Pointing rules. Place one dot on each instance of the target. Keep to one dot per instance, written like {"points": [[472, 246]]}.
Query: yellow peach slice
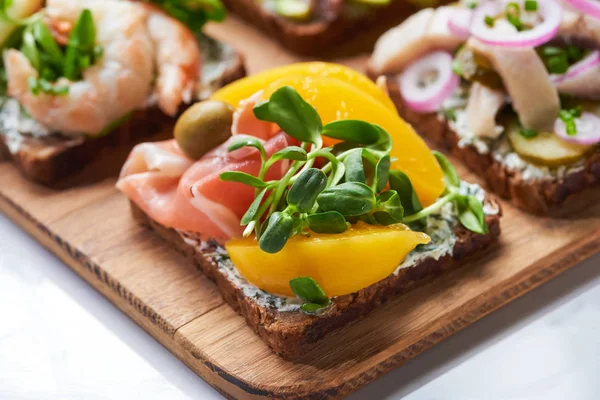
{"points": [[244, 88], [340, 263]]}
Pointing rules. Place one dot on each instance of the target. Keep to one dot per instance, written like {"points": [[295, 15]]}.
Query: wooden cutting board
{"points": [[89, 227]]}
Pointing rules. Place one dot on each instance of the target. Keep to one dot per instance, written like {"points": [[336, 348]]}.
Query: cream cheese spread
{"points": [[15, 124], [500, 149]]}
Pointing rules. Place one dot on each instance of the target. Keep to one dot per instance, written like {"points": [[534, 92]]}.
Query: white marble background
{"points": [[60, 339]]}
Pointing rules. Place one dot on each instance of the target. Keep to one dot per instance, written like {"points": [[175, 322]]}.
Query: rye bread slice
{"points": [[322, 34], [292, 334], [551, 196], [49, 159]]}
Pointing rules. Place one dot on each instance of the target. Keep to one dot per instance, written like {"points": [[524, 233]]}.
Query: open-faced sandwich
{"points": [[511, 87], [309, 203], [313, 26], [78, 75]]}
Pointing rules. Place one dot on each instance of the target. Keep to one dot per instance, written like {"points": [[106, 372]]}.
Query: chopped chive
{"points": [[457, 67], [568, 117], [513, 15], [33, 85], [489, 21], [571, 127], [531, 5], [449, 114], [528, 133], [60, 90], [574, 53], [557, 64], [45, 86], [552, 51]]}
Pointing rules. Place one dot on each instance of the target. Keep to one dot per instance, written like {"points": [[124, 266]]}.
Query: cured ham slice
{"points": [[179, 193], [244, 121]]}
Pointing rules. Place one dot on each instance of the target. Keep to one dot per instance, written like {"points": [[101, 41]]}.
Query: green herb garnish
{"points": [[558, 59], [193, 13], [513, 15], [354, 184], [528, 133], [470, 209], [489, 21], [80, 52], [309, 291], [568, 117], [531, 5], [449, 114], [49, 59]]}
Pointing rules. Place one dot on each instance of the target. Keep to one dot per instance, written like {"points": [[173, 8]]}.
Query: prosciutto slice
{"points": [[179, 193]]}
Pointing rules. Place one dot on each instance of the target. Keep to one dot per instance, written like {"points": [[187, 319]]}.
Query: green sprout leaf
{"points": [[355, 170], [383, 146], [408, 196], [289, 153], [382, 173], [471, 215], [356, 131], [450, 176], [309, 291], [275, 235], [304, 191], [242, 177], [294, 116], [349, 199], [251, 212], [248, 142], [389, 202], [327, 222]]}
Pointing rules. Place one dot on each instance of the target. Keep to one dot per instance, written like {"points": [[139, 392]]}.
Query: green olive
{"points": [[203, 126]]}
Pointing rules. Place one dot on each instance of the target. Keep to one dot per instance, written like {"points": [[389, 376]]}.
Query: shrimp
{"points": [[178, 58], [140, 44], [117, 84]]}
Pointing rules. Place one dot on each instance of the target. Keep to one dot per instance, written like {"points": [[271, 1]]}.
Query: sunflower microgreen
{"points": [[354, 180]]}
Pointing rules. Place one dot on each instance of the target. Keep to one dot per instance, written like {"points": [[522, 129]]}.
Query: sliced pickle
{"points": [[474, 67], [294, 9], [546, 148]]}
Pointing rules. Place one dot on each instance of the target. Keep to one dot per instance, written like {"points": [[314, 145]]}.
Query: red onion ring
{"points": [[430, 97], [588, 129], [550, 10], [590, 61], [459, 22], [588, 7]]}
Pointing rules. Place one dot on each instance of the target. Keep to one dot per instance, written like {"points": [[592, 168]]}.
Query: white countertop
{"points": [[60, 339]]}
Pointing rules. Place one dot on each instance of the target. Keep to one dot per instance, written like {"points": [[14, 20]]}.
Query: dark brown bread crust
{"points": [[292, 334], [541, 197], [48, 160], [319, 36]]}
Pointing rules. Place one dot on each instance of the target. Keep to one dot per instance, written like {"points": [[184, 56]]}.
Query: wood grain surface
{"points": [[88, 225]]}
